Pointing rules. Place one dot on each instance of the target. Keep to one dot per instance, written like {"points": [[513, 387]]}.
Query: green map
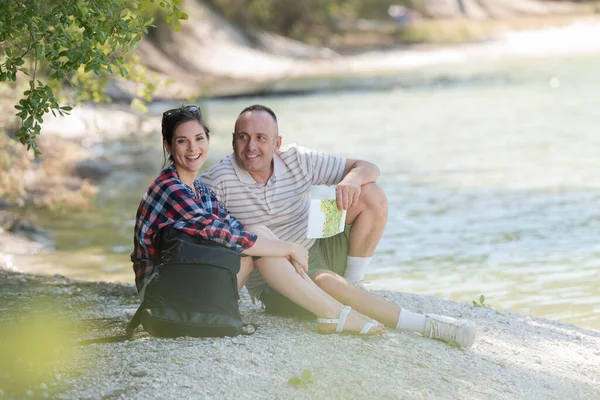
{"points": [[333, 217]]}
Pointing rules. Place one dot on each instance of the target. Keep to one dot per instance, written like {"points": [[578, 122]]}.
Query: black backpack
{"points": [[194, 292]]}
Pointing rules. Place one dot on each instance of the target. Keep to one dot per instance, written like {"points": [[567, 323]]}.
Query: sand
{"points": [[514, 356]]}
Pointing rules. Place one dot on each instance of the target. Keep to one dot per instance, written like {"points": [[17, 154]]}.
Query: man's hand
{"points": [[346, 195]]}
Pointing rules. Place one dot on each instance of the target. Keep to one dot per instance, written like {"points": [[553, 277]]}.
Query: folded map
{"points": [[324, 219]]}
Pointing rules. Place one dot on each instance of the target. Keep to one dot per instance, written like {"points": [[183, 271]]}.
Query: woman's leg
{"points": [[358, 298], [246, 268], [281, 276], [279, 273]]}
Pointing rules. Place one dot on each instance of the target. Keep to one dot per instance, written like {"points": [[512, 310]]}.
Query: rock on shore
{"points": [[514, 356]]}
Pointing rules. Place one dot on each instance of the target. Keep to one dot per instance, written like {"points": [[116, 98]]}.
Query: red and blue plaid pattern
{"points": [[169, 202]]}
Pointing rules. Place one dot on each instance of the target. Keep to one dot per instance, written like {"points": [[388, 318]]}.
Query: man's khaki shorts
{"points": [[330, 253]]}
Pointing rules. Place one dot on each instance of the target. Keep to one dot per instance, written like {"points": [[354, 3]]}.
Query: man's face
{"points": [[255, 142]]}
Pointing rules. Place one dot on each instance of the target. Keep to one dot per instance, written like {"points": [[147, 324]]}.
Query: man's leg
{"points": [[456, 331], [368, 219], [326, 264]]}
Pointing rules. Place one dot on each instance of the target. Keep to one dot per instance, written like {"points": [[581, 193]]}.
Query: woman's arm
{"points": [[268, 247]]}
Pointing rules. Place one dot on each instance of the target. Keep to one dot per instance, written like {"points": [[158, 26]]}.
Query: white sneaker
{"points": [[460, 332]]}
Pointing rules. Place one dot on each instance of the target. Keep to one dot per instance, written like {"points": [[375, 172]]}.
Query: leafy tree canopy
{"points": [[53, 42]]}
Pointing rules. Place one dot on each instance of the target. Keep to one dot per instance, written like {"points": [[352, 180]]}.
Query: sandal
{"points": [[341, 320]]}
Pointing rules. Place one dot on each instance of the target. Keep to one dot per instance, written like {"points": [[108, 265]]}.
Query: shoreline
{"points": [[514, 356], [259, 73]]}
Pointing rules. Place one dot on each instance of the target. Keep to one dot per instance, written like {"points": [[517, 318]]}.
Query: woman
{"points": [[178, 200]]}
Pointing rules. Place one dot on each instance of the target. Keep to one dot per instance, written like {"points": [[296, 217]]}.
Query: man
{"points": [[262, 183]]}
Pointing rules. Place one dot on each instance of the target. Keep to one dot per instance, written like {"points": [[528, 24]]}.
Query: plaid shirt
{"points": [[169, 202]]}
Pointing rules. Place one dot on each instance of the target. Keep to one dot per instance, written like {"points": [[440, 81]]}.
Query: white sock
{"points": [[411, 321], [355, 268]]}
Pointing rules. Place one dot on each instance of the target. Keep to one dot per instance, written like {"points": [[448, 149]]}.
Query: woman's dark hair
{"points": [[173, 118]]}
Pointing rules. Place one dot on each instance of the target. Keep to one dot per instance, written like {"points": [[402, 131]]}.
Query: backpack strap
{"points": [[133, 324]]}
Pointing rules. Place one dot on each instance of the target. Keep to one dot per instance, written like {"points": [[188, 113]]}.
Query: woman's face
{"points": [[189, 147]]}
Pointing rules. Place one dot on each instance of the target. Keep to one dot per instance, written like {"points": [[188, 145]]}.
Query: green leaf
{"points": [[28, 123], [176, 25], [180, 14], [294, 381], [88, 67], [306, 375]]}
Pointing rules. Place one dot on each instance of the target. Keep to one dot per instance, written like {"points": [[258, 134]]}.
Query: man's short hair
{"points": [[260, 107]]}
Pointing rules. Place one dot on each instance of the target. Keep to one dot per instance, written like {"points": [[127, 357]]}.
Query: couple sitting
{"points": [[267, 187]]}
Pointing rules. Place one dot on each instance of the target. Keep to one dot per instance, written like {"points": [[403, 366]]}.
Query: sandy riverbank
{"points": [[514, 356]]}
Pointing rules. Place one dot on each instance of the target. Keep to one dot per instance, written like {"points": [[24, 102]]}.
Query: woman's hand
{"points": [[299, 258]]}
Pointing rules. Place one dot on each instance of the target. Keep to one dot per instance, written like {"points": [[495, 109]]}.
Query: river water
{"points": [[492, 172]]}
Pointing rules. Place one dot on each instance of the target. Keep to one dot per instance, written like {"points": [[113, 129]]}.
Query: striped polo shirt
{"points": [[282, 203]]}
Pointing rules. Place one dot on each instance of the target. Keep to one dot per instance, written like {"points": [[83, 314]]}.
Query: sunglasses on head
{"points": [[191, 108]]}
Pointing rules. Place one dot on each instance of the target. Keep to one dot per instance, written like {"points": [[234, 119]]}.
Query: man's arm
{"points": [[356, 174]]}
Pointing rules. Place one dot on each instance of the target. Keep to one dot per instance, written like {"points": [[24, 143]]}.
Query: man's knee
{"points": [[373, 198], [329, 281]]}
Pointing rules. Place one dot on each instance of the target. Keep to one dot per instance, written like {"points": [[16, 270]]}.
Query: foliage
{"points": [[481, 302], [306, 378], [34, 343], [78, 42]]}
